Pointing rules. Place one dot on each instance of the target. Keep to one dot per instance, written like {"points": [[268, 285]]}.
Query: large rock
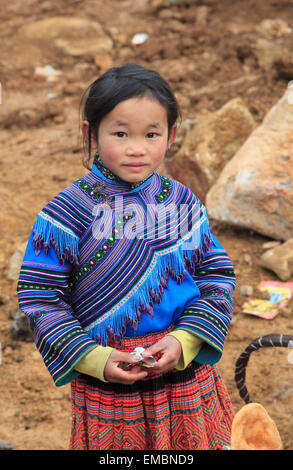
{"points": [[255, 189], [210, 144], [74, 35], [56, 27]]}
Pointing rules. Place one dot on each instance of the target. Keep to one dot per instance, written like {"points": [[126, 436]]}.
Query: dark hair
{"points": [[119, 84]]}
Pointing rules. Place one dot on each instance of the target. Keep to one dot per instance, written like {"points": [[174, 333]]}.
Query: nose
{"points": [[135, 148]]}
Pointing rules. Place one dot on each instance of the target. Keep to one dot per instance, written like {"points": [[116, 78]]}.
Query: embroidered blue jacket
{"points": [[107, 259]]}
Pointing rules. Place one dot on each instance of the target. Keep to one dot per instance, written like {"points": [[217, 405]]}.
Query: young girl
{"points": [[125, 258]]}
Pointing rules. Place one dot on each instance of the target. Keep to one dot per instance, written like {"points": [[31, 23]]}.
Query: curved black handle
{"points": [[271, 340]]}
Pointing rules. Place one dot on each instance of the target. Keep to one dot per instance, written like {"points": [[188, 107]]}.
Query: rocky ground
{"points": [[211, 52]]}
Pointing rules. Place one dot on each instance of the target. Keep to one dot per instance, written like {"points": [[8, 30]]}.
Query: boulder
{"points": [[85, 46], [255, 189], [74, 35], [56, 27], [211, 142], [279, 259]]}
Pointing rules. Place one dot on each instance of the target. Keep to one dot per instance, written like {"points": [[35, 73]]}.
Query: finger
{"points": [[160, 367], [128, 377], [165, 363], [126, 357], [152, 350]]}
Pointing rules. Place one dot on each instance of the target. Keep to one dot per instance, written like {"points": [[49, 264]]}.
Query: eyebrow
{"points": [[120, 123], [155, 125]]}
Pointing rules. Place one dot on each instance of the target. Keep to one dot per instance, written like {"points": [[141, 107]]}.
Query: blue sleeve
{"points": [[209, 316], [44, 297]]}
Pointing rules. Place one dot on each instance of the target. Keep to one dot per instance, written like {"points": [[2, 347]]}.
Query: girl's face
{"points": [[133, 138]]}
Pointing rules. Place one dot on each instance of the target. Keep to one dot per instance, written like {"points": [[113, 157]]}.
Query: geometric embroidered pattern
{"points": [[95, 195], [120, 221], [165, 191], [218, 293], [159, 413], [178, 410], [88, 189], [63, 340]]}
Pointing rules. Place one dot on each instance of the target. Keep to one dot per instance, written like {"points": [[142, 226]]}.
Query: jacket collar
{"points": [[103, 172]]}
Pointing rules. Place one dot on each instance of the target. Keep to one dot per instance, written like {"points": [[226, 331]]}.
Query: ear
{"points": [[85, 133], [85, 130], [172, 136]]}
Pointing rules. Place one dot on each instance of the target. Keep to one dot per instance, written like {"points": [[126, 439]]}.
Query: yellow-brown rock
{"points": [[255, 189], [213, 140]]}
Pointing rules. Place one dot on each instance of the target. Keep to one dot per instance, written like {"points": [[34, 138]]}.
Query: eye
{"points": [[120, 134], [152, 135]]}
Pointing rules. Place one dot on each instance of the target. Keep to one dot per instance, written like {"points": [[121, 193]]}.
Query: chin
{"points": [[136, 178]]}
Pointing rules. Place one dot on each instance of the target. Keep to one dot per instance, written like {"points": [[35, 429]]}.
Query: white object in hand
{"points": [[149, 361]]}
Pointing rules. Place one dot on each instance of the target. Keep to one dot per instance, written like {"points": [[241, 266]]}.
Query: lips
{"points": [[137, 164]]}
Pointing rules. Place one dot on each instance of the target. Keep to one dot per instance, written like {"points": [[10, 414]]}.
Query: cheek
{"points": [[109, 150], [160, 152], [112, 152]]}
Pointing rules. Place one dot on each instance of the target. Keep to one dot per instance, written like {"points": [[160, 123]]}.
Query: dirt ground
{"points": [[204, 44]]}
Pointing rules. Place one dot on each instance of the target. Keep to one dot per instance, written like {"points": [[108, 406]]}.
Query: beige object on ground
{"points": [[254, 429], [279, 260]]}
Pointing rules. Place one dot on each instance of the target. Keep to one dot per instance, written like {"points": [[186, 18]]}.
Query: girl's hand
{"points": [[113, 373], [170, 349]]}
